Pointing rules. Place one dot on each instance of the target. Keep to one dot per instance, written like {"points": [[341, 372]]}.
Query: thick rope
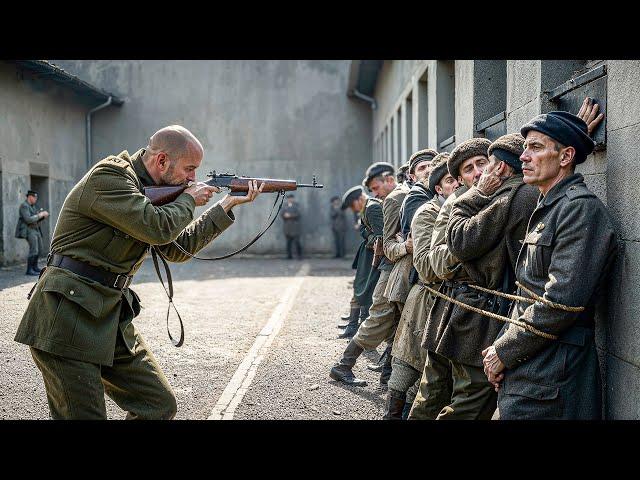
{"points": [[536, 297], [495, 316], [549, 303]]}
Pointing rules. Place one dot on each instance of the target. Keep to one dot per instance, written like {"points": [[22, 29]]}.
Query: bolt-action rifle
{"points": [[237, 186]]}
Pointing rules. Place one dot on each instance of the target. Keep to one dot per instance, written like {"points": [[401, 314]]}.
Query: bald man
{"points": [[78, 323]]}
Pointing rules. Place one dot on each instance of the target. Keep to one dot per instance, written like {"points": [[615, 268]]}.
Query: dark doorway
{"points": [[41, 185]]}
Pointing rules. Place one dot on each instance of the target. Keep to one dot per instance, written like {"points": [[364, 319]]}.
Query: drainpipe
{"points": [[93, 110], [366, 98]]}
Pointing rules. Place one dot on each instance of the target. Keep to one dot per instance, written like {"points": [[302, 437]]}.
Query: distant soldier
{"points": [[291, 216], [28, 227], [338, 225], [371, 225], [563, 266]]}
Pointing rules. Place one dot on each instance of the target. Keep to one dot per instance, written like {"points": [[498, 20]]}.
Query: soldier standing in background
{"points": [[291, 216], [28, 227], [338, 225]]}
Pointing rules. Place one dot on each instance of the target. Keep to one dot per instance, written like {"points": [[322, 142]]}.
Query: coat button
{"points": [[71, 292]]}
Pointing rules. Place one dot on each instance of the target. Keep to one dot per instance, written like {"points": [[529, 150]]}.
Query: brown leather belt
{"points": [[96, 274]]}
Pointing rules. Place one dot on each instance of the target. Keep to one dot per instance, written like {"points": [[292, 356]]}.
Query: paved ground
{"points": [[225, 307]]}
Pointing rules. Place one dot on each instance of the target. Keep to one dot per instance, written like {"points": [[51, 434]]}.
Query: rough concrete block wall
{"points": [[623, 329], [283, 119], [43, 123], [464, 100], [523, 92]]}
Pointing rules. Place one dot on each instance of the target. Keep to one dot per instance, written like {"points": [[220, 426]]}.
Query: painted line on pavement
{"points": [[235, 390]]}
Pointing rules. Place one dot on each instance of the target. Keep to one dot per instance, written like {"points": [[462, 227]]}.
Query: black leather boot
{"points": [[386, 371], [352, 326], [355, 311], [34, 265], [30, 270], [342, 370], [395, 405], [377, 367]]}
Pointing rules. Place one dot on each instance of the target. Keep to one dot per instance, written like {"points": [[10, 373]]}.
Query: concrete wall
{"points": [[42, 134], [608, 173], [280, 119]]}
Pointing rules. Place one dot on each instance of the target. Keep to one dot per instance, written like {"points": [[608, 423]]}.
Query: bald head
{"points": [[176, 141], [172, 155]]}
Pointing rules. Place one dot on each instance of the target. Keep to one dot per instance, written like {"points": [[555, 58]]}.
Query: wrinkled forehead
{"points": [[534, 136]]}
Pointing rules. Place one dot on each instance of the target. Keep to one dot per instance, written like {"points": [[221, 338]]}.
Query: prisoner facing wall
{"points": [[280, 119], [440, 103]]}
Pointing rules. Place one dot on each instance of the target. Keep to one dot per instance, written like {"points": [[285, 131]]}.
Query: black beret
{"points": [[351, 195], [438, 170], [32, 192], [566, 128], [376, 169], [419, 156], [467, 149], [403, 168], [508, 149]]}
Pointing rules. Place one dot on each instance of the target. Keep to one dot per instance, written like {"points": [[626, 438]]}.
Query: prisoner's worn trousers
{"points": [[403, 377], [472, 398], [293, 241], [434, 392], [383, 318], [75, 389]]}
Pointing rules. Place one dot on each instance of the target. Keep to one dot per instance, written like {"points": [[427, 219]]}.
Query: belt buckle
{"points": [[127, 282]]}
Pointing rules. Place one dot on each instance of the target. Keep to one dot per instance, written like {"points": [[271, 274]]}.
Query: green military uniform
{"points": [[80, 331], [28, 227], [366, 276]]}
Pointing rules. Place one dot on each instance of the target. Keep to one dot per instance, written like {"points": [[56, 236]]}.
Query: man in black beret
{"points": [[371, 227], [28, 227], [566, 258]]}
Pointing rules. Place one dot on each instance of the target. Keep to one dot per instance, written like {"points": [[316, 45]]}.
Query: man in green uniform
{"points": [[78, 323], [28, 227], [371, 225]]}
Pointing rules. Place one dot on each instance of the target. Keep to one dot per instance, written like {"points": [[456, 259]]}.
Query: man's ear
{"points": [[502, 167], [162, 161], [567, 156], [438, 189]]}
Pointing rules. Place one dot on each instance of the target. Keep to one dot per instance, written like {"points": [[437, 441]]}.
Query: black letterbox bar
{"points": [[447, 142], [577, 82], [491, 121]]}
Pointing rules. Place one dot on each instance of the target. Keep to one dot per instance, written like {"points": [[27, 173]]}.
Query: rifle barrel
{"points": [[309, 185]]}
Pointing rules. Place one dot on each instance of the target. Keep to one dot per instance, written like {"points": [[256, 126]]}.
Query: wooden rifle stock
{"points": [[163, 194]]}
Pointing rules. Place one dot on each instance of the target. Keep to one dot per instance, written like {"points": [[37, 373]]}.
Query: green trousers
{"points": [[135, 382], [434, 392], [472, 398]]}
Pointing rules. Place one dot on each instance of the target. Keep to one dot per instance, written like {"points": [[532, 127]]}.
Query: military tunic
{"points": [[566, 258], [107, 222], [371, 228], [28, 227]]}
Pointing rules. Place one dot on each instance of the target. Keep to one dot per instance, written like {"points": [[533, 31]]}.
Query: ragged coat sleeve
{"points": [[421, 231], [393, 249], [442, 261]]}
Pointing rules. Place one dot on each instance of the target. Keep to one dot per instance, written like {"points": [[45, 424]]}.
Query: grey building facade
{"points": [[440, 103]]}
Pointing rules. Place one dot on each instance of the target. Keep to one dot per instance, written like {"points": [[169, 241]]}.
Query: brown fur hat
{"points": [[467, 149]]}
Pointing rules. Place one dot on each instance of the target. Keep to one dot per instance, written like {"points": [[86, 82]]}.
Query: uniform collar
{"points": [[139, 168], [559, 190]]}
